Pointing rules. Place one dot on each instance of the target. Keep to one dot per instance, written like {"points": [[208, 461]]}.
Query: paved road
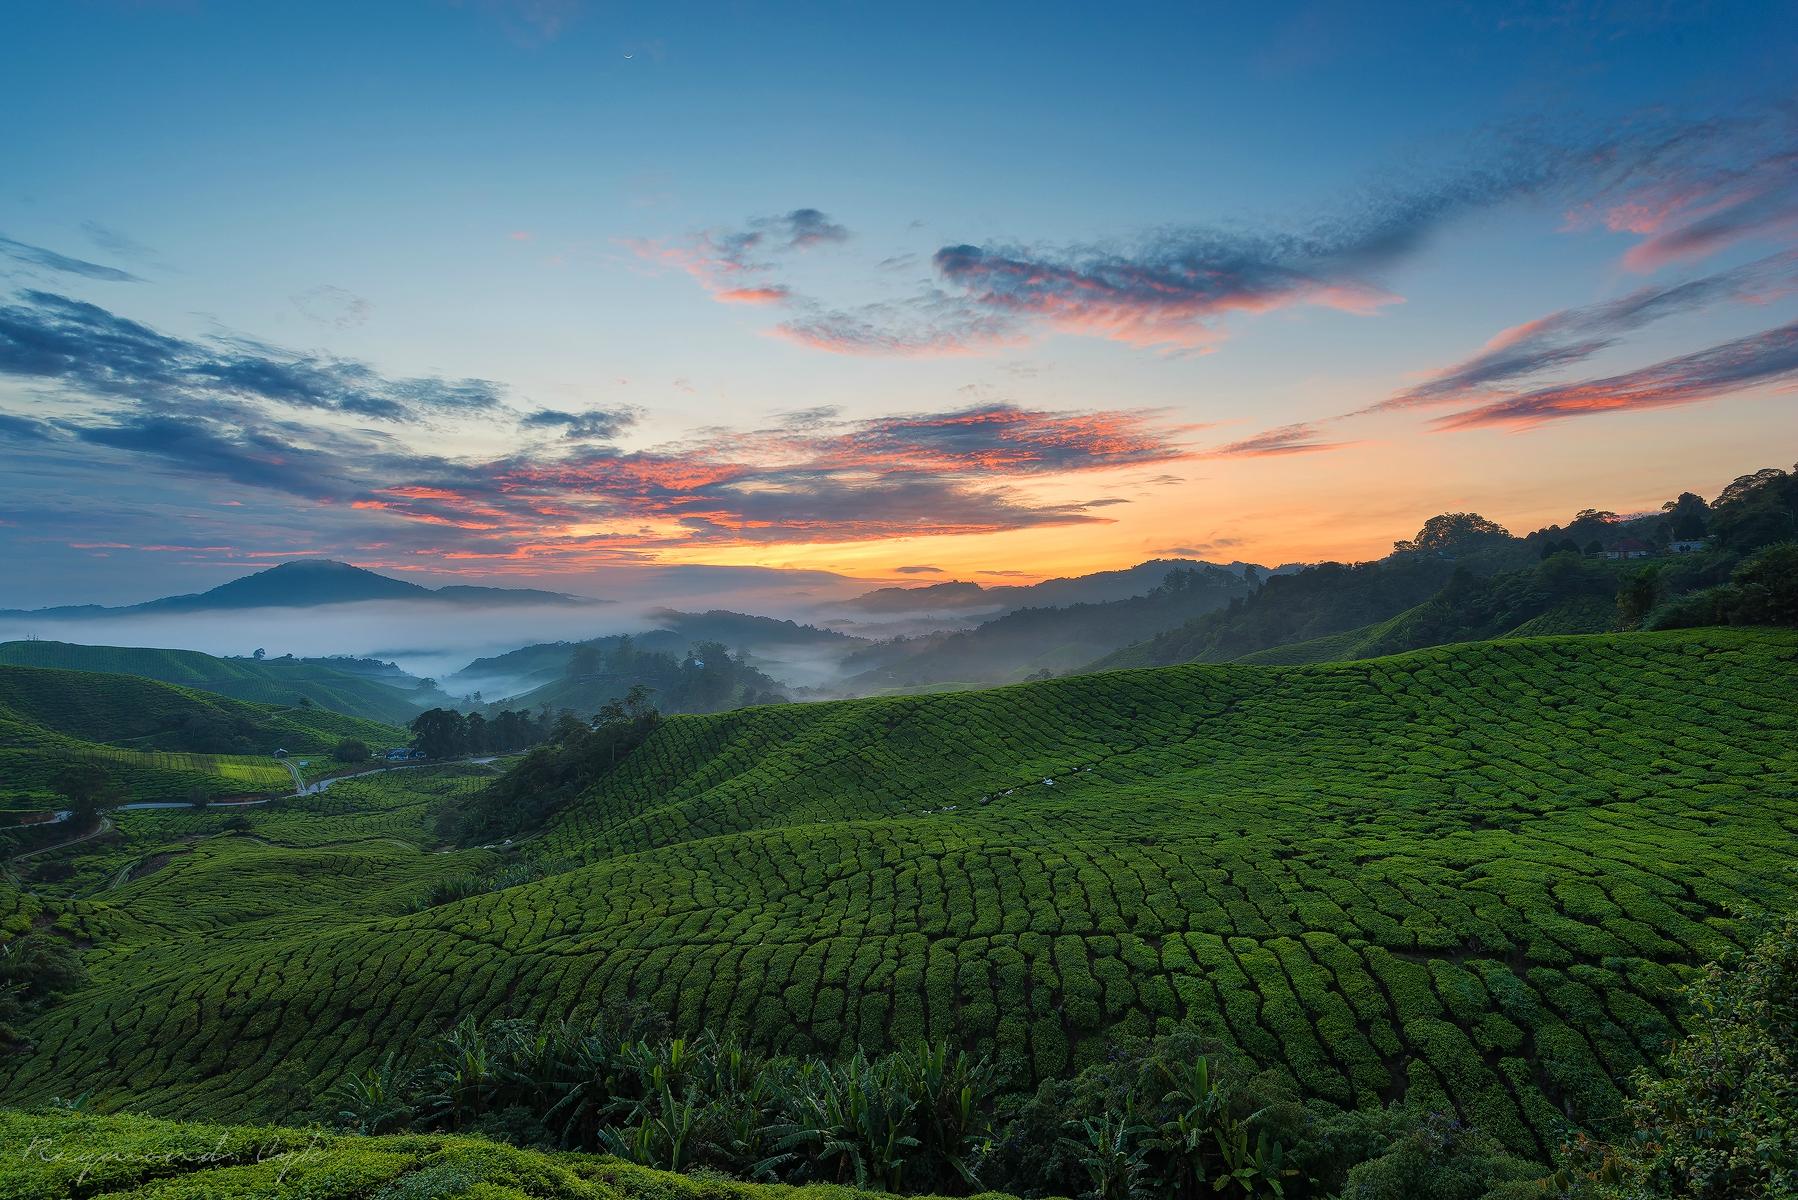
{"points": [[105, 826]]}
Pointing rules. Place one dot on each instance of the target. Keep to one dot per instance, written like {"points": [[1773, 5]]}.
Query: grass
{"points": [[154, 739], [68, 1156], [1474, 875]]}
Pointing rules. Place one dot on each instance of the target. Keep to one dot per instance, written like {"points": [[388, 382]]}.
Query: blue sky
{"points": [[558, 290]]}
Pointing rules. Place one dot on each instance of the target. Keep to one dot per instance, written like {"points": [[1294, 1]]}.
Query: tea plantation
{"points": [[1475, 875], [155, 741]]}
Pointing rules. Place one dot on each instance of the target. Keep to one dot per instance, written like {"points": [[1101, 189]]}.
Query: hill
{"points": [[306, 583], [676, 632], [1472, 876], [1028, 641], [354, 687], [151, 740], [1098, 587], [1463, 578]]}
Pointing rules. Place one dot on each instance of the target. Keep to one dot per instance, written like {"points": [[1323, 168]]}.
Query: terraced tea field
{"points": [[141, 734], [1473, 874]]}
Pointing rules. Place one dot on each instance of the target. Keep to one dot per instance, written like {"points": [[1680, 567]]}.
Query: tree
{"points": [[1745, 486], [1640, 590], [474, 734], [1688, 518], [260, 654], [584, 661], [351, 750], [89, 788], [1453, 534], [438, 732]]}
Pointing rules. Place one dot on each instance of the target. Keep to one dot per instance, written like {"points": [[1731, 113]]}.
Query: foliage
{"points": [[1453, 534], [447, 733], [350, 750], [911, 1120], [65, 1155], [583, 753], [707, 678], [1720, 1120], [36, 964], [1763, 590]]}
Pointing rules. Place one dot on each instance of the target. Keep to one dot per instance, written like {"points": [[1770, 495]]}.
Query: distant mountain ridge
{"points": [[1099, 587], [309, 583]]}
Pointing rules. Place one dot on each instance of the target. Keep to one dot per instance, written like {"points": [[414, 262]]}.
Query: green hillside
{"points": [[1472, 875], [155, 741], [281, 681]]}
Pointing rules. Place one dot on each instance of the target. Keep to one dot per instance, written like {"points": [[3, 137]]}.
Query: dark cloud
{"points": [[596, 423], [1734, 366], [1575, 334], [805, 227], [917, 570], [37, 256], [84, 347], [24, 429], [199, 447], [1302, 438]]}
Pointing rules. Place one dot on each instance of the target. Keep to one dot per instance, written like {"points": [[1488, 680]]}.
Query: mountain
{"points": [[1096, 588], [307, 583], [354, 687], [1048, 640], [764, 638]]}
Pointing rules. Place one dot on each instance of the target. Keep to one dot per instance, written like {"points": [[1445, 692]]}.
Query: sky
{"points": [[566, 294]]}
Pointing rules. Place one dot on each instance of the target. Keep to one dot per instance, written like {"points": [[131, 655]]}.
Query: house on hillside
{"points": [[1627, 548], [1687, 546]]}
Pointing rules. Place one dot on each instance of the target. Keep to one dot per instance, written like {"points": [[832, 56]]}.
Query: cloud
{"points": [[1575, 334], [114, 242], [86, 348], [917, 570], [200, 447], [333, 306], [776, 294], [1176, 289], [1302, 438], [934, 324], [726, 261], [1747, 362], [37, 256], [1202, 549], [805, 227], [596, 423], [23, 429], [1737, 184]]}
